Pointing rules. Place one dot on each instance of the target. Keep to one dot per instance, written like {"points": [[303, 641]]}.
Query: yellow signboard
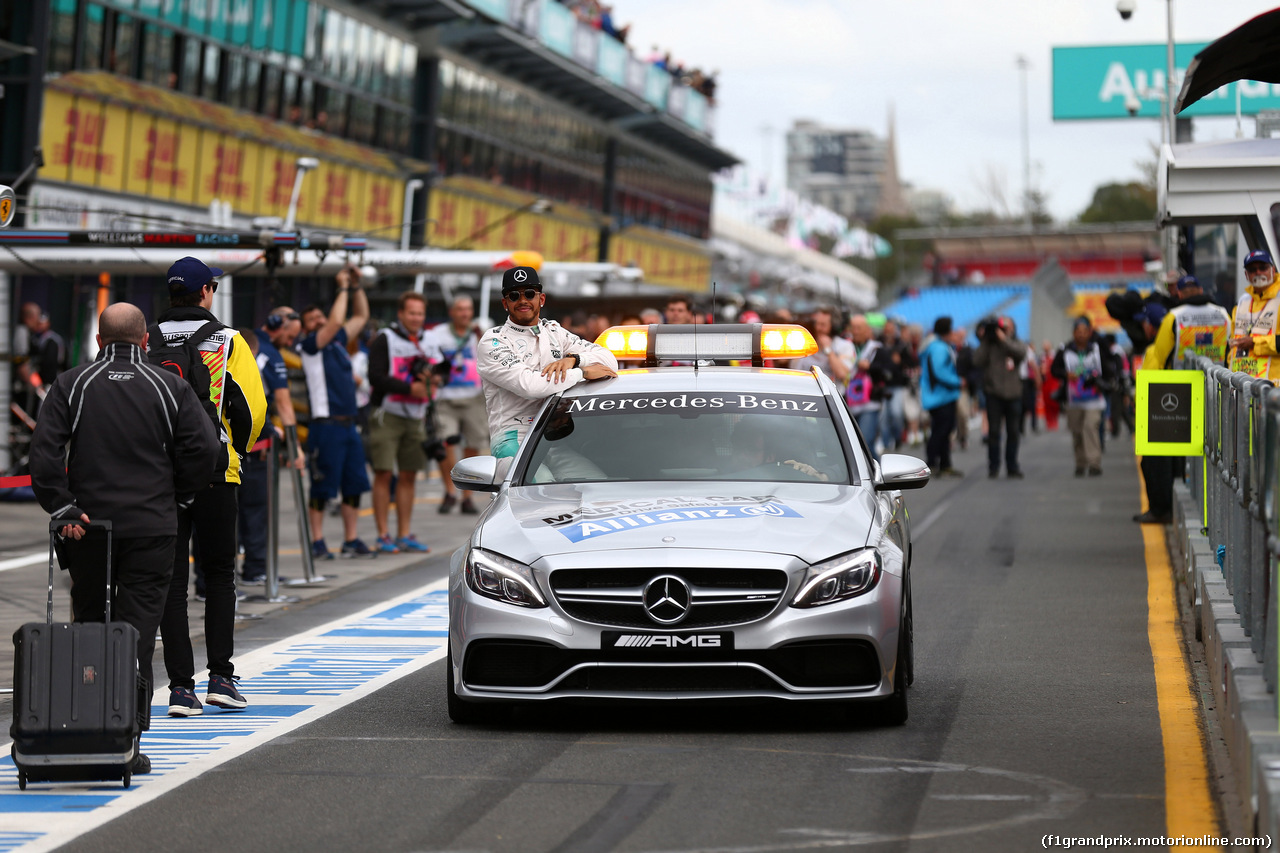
{"points": [[1170, 413], [468, 213], [126, 137]]}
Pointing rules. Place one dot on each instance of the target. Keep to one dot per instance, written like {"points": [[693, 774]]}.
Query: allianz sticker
{"points": [[594, 521]]}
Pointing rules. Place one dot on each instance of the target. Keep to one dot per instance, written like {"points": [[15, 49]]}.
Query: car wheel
{"points": [[893, 711], [468, 713], [910, 628]]}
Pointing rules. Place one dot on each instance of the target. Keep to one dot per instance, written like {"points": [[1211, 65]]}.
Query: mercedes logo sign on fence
{"points": [[666, 599], [8, 205], [1170, 409]]}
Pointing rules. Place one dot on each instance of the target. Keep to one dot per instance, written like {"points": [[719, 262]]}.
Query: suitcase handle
{"points": [[54, 526]]}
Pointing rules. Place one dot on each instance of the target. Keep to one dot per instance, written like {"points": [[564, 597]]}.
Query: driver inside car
{"points": [[754, 454]]}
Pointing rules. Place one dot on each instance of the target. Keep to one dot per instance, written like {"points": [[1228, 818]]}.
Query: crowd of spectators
{"points": [[599, 16]]}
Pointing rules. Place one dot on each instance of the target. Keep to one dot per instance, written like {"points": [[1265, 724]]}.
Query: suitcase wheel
{"points": [[127, 776], [22, 780]]}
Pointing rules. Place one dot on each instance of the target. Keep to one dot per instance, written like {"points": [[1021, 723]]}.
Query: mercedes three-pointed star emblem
{"points": [[666, 599]]}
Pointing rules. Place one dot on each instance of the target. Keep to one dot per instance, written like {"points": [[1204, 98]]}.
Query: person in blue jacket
{"points": [[939, 391]]}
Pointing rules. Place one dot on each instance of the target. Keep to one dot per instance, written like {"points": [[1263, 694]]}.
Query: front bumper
{"points": [[841, 651]]}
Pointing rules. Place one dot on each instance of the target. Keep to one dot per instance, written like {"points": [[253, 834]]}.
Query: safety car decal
{"points": [[592, 522]]}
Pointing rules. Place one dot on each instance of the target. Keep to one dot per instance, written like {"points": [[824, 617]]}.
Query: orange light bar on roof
{"points": [[786, 341], [626, 342]]}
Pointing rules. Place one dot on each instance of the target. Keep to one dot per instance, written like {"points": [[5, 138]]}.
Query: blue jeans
{"points": [[869, 424], [893, 417]]}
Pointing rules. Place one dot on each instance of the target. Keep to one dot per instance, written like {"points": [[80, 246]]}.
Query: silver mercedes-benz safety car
{"points": [[688, 532]]}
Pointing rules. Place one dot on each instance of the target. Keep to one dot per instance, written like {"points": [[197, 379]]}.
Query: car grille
{"points": [[720, 597], [835, 664]]}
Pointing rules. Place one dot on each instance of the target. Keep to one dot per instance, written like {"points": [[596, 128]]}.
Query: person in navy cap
{"points": [[1253, 321], [1195, 326], [239, 409]]}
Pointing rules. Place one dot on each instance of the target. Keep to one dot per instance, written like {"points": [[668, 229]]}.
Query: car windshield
{"points": [[688, 436]]}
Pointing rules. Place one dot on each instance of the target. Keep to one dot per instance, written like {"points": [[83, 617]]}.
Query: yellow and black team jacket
{"points": [[235, 385]]}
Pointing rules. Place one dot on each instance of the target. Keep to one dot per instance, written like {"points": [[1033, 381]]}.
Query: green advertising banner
{"points": [[1095, 82]]}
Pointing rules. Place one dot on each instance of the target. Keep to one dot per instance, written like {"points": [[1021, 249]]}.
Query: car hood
{"points": [[811, 522]]}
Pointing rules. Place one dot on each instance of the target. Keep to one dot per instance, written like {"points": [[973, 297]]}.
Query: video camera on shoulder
{"points": [[987, 327]]}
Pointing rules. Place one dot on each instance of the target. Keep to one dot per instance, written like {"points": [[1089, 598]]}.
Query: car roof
{"points": [[677, 379]]}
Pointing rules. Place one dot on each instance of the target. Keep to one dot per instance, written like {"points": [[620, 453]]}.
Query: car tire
{"points": [[893, 711], [468, 713]]}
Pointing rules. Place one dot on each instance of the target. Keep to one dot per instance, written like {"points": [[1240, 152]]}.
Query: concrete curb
{"points": [[1245, 710]]}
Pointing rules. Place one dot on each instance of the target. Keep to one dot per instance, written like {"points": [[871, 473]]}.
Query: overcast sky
{"points": [[947, 67]]}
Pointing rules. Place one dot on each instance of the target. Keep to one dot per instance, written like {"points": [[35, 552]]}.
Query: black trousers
{"points": [[1159, 472], [213, 517], [1009, 413], [252, 499], [141, 567], [942, 422]]}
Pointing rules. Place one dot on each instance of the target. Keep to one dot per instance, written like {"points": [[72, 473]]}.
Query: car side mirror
{"points": [[899, 471], [477, 474]]}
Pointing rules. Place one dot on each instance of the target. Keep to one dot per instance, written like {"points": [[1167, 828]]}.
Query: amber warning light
{"points": [[730, 342]]}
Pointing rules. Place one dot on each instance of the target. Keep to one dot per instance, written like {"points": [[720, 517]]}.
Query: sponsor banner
{"points": [[1170, 413], [91, 139], [665, 259], [557, 27], [611, 61], [592, 522], [1096, 81], [684, 403]]}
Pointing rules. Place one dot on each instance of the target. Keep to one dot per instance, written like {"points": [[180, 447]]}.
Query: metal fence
{"points": [[1237, 488]]}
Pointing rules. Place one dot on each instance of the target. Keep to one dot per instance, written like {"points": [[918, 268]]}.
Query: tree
{"points": [[1121, 203]]}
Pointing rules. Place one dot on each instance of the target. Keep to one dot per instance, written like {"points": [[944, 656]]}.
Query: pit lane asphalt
{"points": [[1033, 712]]}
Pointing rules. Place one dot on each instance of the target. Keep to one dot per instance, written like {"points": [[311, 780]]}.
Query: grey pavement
{"points": [[23, 590], [1034, 712]]}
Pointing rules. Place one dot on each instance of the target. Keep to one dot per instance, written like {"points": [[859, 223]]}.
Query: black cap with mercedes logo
{"points": [[519, 278]]}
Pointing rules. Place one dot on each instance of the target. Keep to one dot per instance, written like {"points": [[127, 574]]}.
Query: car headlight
{"points": [[495, 576], [839, 578]]}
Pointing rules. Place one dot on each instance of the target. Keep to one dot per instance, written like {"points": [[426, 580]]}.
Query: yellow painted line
{"points": [[1188, 804]]}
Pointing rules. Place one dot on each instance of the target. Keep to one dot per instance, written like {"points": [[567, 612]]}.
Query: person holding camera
{"points": [[1085, 375], [400, 362], [337, 453], [998, 357], [459, 405]]}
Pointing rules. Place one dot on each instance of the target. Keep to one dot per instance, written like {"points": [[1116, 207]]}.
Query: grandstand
{"points": [[964, 304], [967, 304]]}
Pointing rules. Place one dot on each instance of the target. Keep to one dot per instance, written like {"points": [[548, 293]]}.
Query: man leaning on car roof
{"points": [[527, 359]]}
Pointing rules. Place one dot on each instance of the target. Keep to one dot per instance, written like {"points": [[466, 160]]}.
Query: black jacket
{"points": [[120, 439]]}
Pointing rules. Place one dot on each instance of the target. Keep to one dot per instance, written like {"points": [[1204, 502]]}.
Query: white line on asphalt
{"points": [[261, 665], [23, 562], [938, 511]]}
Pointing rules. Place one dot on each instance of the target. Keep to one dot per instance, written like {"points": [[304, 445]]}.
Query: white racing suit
{"points": [[511, 359]]}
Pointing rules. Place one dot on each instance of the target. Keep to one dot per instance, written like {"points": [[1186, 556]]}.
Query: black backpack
{"points": [[184, 359]]}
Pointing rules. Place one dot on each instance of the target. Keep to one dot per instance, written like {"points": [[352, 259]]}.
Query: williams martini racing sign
{"points": [[592, 521]]}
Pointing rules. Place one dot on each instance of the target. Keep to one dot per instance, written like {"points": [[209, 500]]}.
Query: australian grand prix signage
{"points": [[1096, 82]]}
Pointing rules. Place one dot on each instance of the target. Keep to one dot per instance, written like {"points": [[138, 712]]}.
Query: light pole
{"points": [[410, 187], [1168, 127], [304, 165], [1023, 65]]}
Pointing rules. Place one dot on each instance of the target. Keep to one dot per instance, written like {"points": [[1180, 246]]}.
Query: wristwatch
{"points": [[577, 362]]}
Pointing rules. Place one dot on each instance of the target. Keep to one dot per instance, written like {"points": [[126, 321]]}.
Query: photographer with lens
{"points": [[998, 355], [400, 373]]}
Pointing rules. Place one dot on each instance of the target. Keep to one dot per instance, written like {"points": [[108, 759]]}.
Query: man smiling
{"points": [[527, 359]]}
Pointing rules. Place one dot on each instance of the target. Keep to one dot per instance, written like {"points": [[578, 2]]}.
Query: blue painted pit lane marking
{"points": [[288, 684]]}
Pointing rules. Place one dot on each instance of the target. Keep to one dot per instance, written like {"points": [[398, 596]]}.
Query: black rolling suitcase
{"points": [[79, 706]]}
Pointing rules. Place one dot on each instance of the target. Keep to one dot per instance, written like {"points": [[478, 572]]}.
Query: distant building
{"points": [[850, 170]]}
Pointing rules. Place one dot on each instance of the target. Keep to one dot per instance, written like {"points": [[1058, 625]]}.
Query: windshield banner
{"points": [[694, 403]]}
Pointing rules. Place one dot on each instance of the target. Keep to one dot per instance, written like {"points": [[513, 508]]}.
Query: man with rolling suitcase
{"points": [[121, 440]]}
